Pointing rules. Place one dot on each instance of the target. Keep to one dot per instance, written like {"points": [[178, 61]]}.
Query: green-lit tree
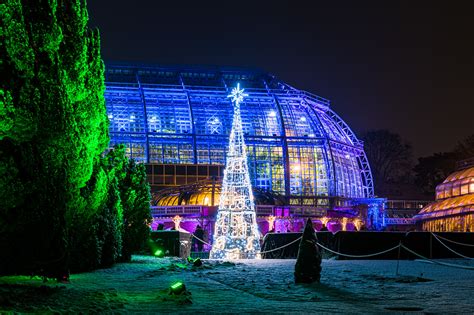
{"points": [[53, 130], [63, 206], [135, 194], [119, 227]]}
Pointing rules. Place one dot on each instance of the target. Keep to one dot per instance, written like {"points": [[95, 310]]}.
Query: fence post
{"points": [[431, 246], [398, 259]]}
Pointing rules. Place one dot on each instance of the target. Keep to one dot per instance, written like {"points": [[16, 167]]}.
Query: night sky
{"points": [[406, 68]]}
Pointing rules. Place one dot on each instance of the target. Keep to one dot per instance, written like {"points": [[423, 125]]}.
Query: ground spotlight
{"points": [[177, 288], [197, 262], [159, 253]]}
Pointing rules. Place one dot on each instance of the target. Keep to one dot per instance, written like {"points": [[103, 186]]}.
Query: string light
{"points": [[236, 234]]}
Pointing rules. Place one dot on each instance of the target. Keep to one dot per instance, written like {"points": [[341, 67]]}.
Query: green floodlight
{"points": [[180, 265], [177, 288], [197, 262], [177, 285], [159, 253]]}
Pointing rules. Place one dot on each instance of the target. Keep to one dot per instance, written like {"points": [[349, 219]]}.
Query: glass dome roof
{"points": [[297, 145], [207, 193]]}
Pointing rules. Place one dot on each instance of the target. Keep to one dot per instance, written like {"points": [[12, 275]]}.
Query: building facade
{"points": [[453, 209], [177, 120]]}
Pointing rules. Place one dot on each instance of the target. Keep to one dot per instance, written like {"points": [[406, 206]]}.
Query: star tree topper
{"points": [[237, 95]]}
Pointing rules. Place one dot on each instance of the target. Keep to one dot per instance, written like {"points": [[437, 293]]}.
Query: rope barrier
{"points": [[268, 251], [375, 254], [436, 262], [452, 250], [444, 238], [358, 256], [324, 247], [200, 239], [278, 248]]}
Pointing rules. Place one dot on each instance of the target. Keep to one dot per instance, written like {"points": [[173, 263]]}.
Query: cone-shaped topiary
{"points": [[308, 263]]}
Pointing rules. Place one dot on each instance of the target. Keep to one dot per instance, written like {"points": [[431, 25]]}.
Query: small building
{"points": [[453, 209]]}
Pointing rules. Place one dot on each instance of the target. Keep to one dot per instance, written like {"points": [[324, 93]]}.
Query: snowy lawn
{"points": [[255, 286]]}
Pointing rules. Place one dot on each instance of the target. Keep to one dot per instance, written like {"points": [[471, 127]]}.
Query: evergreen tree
{"points": [[62, 205], [308, 262], [135, 194], [53, 130]]}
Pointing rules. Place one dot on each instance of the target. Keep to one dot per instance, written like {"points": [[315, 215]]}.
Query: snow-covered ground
{"points": [[255, 286]]}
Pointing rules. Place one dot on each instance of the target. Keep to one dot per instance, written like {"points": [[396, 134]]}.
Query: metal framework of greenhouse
{"points": [[297, 145]]}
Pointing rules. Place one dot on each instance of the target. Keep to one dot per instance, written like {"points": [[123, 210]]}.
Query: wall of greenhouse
{"points": [[297, 145]]}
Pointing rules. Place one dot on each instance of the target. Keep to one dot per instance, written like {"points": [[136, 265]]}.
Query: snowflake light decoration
{"points": [[237, 95]]}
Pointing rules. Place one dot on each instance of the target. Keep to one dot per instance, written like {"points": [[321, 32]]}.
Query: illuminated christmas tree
{"points": [[236, 233]]}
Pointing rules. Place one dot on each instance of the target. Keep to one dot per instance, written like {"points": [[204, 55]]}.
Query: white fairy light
{"points": [[236, 234], [237, 95]]}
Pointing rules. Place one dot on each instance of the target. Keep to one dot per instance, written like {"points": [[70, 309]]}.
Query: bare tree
{"points": [[432, 170], [465, 148], [391, 158]]}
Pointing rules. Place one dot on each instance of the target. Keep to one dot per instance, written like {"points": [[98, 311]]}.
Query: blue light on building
{"points": [[297, 145]]}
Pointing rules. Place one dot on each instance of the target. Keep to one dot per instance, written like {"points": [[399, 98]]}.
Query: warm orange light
{"points": [[271, 222], [324, 220], [177, 220], [358, 224], [344, 224]]}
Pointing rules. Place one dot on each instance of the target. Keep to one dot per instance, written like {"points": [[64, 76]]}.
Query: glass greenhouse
{"points": [[297, 145], [453, 209]]}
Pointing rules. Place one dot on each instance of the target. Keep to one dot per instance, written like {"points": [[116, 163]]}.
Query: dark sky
{"points": [[387, 64]]}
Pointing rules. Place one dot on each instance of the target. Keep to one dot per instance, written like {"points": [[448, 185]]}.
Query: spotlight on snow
{"points": [[196, 262], [177, 288], [159, 253]]}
